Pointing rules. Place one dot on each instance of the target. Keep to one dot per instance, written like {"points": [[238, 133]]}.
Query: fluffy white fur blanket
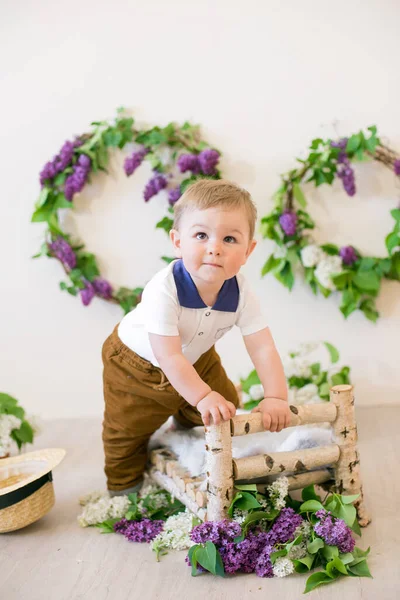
{"points": [[189, 445]]}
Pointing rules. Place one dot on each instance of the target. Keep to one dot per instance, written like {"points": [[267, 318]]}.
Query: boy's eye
{"points": [[201, 235], [230, 239]]}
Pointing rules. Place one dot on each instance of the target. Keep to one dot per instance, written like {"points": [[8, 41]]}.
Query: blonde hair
{"points": [[210, 193]]}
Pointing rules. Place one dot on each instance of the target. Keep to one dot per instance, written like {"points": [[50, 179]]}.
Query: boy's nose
{"points": [[214, 249]]}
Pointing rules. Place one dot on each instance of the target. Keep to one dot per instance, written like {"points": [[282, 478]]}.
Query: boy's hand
{"points": [[275, 412], [214, 405]]}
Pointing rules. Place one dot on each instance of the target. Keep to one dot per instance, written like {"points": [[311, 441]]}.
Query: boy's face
{"points": [[213, 244]]}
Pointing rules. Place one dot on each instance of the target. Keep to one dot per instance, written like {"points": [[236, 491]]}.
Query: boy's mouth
{"points": [[212, 265]]}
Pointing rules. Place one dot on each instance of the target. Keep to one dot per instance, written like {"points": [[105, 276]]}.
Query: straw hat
{"points": [[26, 487]]}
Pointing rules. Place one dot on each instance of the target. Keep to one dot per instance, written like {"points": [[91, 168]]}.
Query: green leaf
{"points": [[315, 545], [192, 557], [396, 214], [353, 143], [333, 352], [107, 526], [252, 379], [317, 579], [361, 569], [323, 391], [25, 433], [369, 310], [42, 197], [286, 276], [271, 264], [346, 558], [330, 249], [298, 194], [61, 202], [330, 552], [349, 499], [367, 281], [392, 241], [311, 506], [309, 493], [247, 487], [302, 565], [7, 402], [207, 557], [166, 223], [337, 564]]}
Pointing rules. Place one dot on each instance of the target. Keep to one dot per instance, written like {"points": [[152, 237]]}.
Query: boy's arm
{"points": [[267, 362], [181, 374], [188, 383]]}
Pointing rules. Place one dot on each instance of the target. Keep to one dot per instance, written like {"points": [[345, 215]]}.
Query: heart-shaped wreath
{"points": [[327, 267], [172, 151]]}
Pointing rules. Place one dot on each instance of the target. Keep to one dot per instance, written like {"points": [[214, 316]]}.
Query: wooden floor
{"points": [[54, 559]]}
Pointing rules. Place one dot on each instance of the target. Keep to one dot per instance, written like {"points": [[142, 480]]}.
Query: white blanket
{"points": [[189, 446]]}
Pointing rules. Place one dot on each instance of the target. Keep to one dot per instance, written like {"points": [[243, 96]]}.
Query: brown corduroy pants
{"points": [[138, 400]]}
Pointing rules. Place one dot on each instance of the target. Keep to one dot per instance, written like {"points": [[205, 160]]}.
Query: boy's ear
{"points": [[251, 247], [176, 242]]}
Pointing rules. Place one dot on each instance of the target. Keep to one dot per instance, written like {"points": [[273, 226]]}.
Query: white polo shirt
{"points": [[171, 305]]}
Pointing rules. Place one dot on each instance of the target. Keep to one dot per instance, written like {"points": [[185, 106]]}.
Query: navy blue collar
{"points": [[189, 297]]}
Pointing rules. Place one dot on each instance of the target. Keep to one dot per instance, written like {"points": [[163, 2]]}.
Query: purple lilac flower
{"points": [[60, 161], [102, 288], [63, 251], [218, 532], [75, 182], [243, 556], [174, 195], [87, 293], [282, 531], [139, 531], [342, 143], [208, 160], [189, 162], [133, 162], [288, 222], [346, 174], [396, 166], [334, 531], [154, 185], [264, 567], [348, 255]]}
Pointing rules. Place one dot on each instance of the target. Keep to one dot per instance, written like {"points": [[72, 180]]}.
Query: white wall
{"points": [[262, 78]]}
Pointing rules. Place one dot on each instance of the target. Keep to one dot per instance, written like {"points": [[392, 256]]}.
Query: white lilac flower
{"points": [[256, 392], [93, 497], [7, 424], [296, 367], [306, 394], [299, 551], [304, 529], [282, 567], [36, 423], [307, 348], [175, 534], [330, 265], [239, 515], [280, 251], [102, 509], [311, 255], [277, 492]]}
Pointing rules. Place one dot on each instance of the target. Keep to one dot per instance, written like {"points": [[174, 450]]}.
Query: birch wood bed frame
{"points": [[335, 467]]}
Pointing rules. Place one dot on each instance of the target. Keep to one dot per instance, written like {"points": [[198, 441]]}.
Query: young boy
{"points": [[161, 361]]}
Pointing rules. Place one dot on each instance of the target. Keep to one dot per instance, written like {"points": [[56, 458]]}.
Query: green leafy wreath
{"points": [[178, 156], [327, 267]]}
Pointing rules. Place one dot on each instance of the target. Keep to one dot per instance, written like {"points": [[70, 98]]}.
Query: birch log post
{"points": [[219, 470], [347, 468]]}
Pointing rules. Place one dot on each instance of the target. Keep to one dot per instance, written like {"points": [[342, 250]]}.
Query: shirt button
{"points": [[208, 314], [201, 333]]}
